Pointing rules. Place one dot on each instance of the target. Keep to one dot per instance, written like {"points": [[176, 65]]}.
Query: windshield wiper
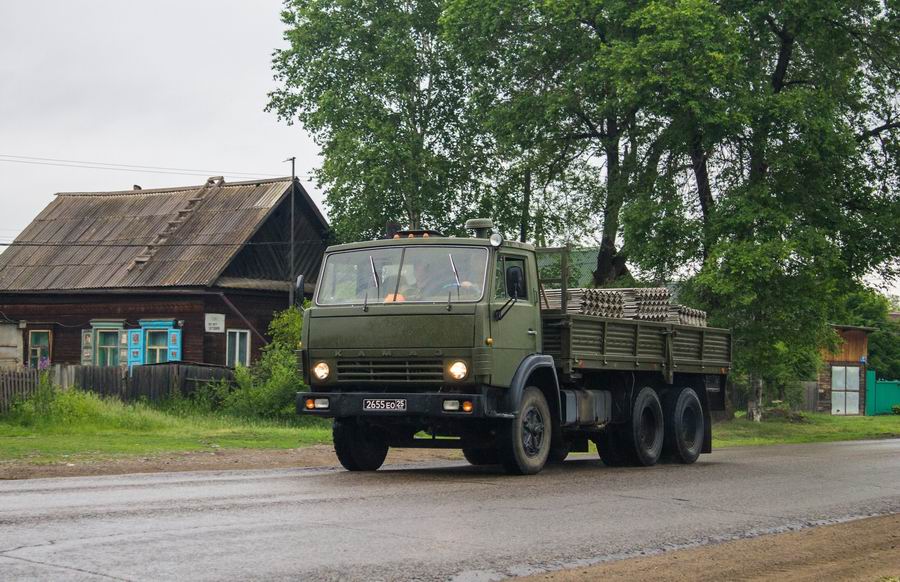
{"points": [[455, 272], [375, 276], [456, 279]]}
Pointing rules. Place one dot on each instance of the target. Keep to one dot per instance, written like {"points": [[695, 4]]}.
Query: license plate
{"points": [[398, 404]]}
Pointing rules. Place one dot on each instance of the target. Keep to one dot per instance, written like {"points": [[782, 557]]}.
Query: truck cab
{"points": [[421, 340]]}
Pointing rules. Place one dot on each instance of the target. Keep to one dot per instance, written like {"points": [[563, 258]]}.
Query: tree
{"points": [[547, 75], [748, 149], [384, 97], [743, 145], [806, 198]]}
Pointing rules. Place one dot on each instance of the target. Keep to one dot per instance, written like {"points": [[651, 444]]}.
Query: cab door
{"points": [[515, 318]]}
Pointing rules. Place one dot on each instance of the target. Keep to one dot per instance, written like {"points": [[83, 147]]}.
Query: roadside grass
{"points": [[75, 425], [814, 427]]}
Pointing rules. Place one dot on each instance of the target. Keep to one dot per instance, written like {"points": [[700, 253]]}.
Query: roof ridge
{"points": [[172, 189]]}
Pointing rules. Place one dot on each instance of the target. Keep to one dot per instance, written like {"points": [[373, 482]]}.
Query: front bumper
{"points": [[418, 405]]}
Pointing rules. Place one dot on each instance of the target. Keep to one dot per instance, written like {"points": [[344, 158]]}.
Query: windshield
{"points": [[403, 275]]}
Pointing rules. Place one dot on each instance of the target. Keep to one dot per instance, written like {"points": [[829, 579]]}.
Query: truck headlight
{"points": [[322, 370], [458, 370]]}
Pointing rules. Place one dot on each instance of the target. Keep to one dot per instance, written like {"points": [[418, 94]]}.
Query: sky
{"points": [[165, 83], [176, 84]]}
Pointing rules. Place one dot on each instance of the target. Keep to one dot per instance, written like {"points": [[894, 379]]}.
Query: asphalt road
{"points": [[437, 521]]}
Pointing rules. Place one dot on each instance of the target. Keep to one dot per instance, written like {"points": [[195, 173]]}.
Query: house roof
{"points": [[168, 237], [853, 327]]}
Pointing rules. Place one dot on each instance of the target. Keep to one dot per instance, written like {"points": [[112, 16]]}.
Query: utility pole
{"points": [[293, 161]]}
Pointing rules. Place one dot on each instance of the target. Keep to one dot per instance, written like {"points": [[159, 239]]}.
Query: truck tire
{"points": [[685, 427], [611, 450], [642, 439], [478, 457], [523, 444], [357, 449]]}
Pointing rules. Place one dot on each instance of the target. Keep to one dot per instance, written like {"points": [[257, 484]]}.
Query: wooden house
{"points": [[143, 276], [842, 377]]}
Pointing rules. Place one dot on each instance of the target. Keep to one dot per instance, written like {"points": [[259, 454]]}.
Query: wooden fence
{"points": [[810, 396], [17, 385], [154, 383]]}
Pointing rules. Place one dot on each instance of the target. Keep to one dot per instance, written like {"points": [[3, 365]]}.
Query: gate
{"points": [[881, 395]]}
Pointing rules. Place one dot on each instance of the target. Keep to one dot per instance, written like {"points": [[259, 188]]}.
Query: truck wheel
{"points": [[685, 427], [357, 448], [643, 436], [481, 456], [611, 451], [523, 444]]}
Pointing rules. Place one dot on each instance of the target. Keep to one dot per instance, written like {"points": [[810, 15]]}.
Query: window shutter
{"points": [[87, 347], [123, 347], [135, 347], [174, 345]]}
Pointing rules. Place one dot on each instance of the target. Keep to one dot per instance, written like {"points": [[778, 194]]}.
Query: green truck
{"points": [[421, 340]]}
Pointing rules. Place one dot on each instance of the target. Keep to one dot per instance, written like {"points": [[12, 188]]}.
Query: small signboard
{"points": [[215, 323]]}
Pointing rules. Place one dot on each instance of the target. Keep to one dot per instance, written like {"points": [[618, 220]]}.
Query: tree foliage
{"points": [[746, 149], [745, 145], [383, 95]]}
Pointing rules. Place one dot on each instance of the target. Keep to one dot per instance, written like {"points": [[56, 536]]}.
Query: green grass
{"points": [[814, 428], [78, 426]]}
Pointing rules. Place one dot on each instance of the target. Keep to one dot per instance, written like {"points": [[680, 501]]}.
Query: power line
{"points": [[144, 245], [133, 170], [137, 168]]}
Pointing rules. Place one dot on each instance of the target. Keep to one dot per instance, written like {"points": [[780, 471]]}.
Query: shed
{"points": [[842, 378]]}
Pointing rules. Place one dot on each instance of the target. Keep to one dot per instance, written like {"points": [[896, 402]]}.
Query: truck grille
{"points": [[390, 370]]}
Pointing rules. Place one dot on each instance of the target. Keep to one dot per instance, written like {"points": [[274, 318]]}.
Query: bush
{"points": [[895, 408], [268, 388]]}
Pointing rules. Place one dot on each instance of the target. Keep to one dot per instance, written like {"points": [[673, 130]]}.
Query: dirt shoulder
{"points": [[224, 459], [865, 549]]}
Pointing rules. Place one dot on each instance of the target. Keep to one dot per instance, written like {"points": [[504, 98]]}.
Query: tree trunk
{"points": [[414, 220], [526, 208], [610, 263], [754, 404], [704, 190]]}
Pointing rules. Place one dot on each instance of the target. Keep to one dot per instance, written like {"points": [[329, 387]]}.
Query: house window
{"points": [[157, 346], [107, 348], [39, 348], [238, 351]]}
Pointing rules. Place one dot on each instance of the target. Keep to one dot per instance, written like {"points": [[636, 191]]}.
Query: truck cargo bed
{"points": [[587, 342]]}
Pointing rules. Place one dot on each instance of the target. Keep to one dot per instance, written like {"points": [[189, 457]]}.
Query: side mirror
{"points": [[515, 282], [298, 291]]}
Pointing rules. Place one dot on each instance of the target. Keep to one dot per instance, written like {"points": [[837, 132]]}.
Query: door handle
{"points": [[532, 332]]}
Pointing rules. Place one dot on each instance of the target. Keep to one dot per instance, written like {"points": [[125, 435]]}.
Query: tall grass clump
{"points": [[50, 407]]}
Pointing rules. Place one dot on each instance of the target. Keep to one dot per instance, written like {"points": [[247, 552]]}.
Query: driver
{"points": [[432, 282]]}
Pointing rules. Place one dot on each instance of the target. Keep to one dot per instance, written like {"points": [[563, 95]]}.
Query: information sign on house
{"points": [[215, 323]]}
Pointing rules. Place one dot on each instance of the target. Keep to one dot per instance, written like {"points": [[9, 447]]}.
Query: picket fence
{"points": [[154, 383]]}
